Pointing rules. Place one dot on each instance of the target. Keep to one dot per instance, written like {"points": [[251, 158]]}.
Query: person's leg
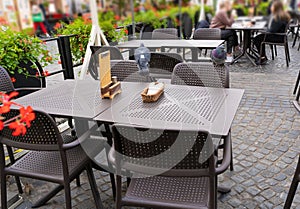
{"points": [[43, 28], [257, 42], [227, 35]]}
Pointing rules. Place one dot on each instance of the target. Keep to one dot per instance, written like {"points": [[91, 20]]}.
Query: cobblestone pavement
{"points": [[265, 136]]}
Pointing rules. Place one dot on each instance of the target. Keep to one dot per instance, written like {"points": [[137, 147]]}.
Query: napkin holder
{"points": [[147, 98], [110, 90]]}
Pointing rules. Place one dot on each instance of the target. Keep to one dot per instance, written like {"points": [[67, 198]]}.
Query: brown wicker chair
{"points": [[293, 187], [207, 34], [115, 54], [202, 74], [165, 33], [126, 70], [161, 64], [50, 159], [165, 174]]}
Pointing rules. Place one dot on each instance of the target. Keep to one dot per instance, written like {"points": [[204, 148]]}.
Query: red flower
{"points": [[46, 73], [27, 115], [1, 125], [18, 127], [115, 25], [126, 31], [13, 79], [6, 103], [59, 62], [117, 17], [37, 74]]}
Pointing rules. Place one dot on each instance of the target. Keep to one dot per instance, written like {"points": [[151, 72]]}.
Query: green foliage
{"points": [[153, 17], [18, 47], [261, 9], [82, 30], [241, 7]]}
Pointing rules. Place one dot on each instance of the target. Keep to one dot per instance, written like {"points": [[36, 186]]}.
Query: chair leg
{"points": [[68, 196], [119, 195], [78, 181], [296, 36], [231, 160], [287, 56], [272, 51], [297, 83], [93, 185], [293, 188], [12, 160], [46, 198], [275, 49], [3, 192]]}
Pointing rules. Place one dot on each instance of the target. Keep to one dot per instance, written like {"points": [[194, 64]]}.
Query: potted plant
{"points": [[23, 56]]}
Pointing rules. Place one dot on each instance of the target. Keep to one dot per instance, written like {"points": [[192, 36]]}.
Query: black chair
{"points": [[293, 187], [51, 158], [165, 175], [93, 68], [6, 85], [126, 70], [161, 64], [284, 43]]}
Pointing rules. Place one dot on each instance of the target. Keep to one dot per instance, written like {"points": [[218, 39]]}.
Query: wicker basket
{"points": [[153, 97]]}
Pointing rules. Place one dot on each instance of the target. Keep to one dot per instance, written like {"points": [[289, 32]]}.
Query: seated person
{"points": [[277, 24], [223, 19]]}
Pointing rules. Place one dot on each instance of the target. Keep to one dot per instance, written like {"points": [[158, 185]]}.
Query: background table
{"points": [[180, 107], [247, 30], [194, 45]]}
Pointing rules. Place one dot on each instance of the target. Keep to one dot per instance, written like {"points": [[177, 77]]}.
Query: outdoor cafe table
{"points": [[180, 107], [247, 30], [194, 45]]}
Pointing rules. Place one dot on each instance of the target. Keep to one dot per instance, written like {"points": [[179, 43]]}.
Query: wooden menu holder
{"points": [[108, 88]]}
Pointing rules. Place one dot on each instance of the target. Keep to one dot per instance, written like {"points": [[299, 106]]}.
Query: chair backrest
{"points": [[43, 133], [93, 67], [163, 62], [115, 53], [6, 84], [165, 33], [147, 151], [126, 70], [207, 34], [201, 74]]}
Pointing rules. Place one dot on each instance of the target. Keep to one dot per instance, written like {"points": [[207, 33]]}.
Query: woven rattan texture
{"points": [[48, 163], [41, 132], [164, 63], [144, 147], [186, 190], [207, 34], [165, 33], [199, 74], [181, 107], [126, 71], [5, 82]]}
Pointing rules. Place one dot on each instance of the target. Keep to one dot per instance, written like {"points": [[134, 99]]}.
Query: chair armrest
{"points": [[277, 34], [226, 155], [82, 138], [29, 88]]}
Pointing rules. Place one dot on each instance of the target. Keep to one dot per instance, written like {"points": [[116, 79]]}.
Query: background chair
{"points": [[293, 187], [284, 43], [187, 182], [93, 68], [207, 34], [50, 159], [161, 64], [126, 70], [165, 33]]}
